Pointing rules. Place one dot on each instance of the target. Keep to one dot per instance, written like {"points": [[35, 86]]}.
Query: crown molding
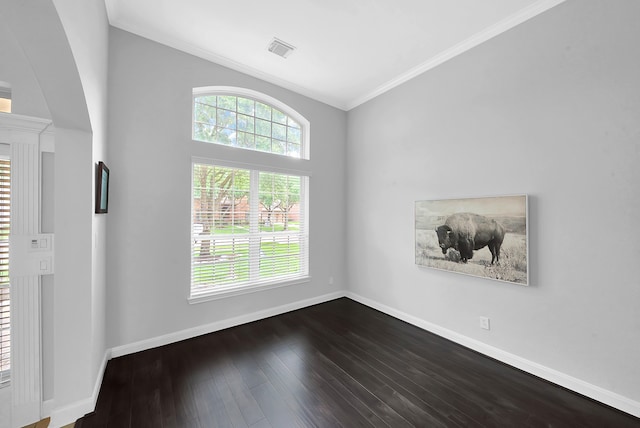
{"points": [[346, 105], [473, 41]]}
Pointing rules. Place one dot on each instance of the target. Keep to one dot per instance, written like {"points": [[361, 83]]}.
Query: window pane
{"points": [[204, 122], [230, 199], [263, 111], [220, 261], [279, 256], [269, 202], [263, 128], [225, 136], [209, 100], [279, 132], [293, 150], [202, 199], [279, 117], [245, 123], [278, 195], [205, 113], [239, 240], [293, 135], [246, 140], [279, 147], [227, 102], [246, 106], [226, 119], [204, 132], [220, 198], [263, 144]]}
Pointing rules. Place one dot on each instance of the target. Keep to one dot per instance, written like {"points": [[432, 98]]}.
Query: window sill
{"points": [[207, 296]]}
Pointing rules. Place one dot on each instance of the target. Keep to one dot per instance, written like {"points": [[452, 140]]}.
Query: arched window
{"points": [[249, 222], [250, 120]]}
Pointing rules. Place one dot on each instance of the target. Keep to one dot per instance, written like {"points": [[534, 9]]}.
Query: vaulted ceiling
{"points": [[346, 51]]}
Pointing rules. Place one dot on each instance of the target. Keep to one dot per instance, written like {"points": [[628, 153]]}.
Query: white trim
{"points": [[253, 166], [18, 122], [47, 408], [48, 140], [177, 336], [238, 290], [597, 393], [346, 105], [72, 412]]}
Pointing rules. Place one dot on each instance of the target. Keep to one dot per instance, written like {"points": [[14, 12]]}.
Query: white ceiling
{"points": [[347, 51]]}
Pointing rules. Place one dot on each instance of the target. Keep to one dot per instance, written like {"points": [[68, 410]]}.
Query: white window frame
{"points": [[305, 127], [269, 162]]}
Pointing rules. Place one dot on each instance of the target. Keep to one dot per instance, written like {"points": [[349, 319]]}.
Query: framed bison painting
{"points": [[485, 237]]}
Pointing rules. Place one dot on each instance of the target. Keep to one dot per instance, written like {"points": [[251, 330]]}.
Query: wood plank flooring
{"points": [[337, 364]]}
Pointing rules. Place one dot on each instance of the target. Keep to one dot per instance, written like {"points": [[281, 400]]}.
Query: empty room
{"points": [[319, 214]]}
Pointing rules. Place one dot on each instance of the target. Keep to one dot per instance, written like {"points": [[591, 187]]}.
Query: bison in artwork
{"points": [[466, 232]]}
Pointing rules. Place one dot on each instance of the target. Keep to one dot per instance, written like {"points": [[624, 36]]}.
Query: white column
{"points": [[23, 135]]}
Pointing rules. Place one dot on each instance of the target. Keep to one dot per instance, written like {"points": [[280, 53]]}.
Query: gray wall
{"points": [[57, 65], [87, 29], [150, 151], [549, 108]]}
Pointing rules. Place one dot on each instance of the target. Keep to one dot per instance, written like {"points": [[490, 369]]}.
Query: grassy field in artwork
{"points": [[511, 268]]}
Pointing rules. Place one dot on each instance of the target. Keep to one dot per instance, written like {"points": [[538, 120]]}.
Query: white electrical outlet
{"points": [[484, 323], [330, 280]]}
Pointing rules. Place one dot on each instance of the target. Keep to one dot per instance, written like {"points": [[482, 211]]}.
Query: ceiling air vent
{"points": [[280, 48]]}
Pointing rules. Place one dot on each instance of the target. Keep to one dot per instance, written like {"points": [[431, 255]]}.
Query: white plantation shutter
{"points": [[5, 216], [248, 228]]}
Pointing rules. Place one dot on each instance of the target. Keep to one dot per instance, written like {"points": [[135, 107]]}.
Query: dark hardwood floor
{"points": [[338, 364]]}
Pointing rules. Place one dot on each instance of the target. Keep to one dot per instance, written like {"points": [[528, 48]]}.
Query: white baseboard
{"points": [[597, 393], [47, 408], [72, 412], [220, 325]]}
